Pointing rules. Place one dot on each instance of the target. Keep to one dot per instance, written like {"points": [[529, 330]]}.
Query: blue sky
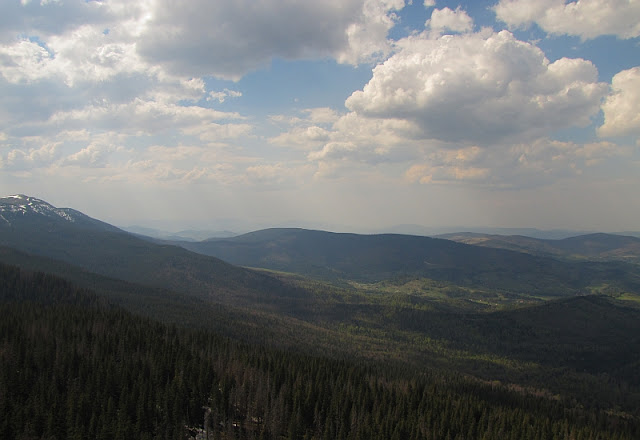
{"points": [[344, 115]]}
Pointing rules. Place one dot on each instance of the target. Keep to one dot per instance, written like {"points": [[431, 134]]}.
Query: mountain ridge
{"points": [[20, 207], [588, 246], [36, 227], [372, 258]]}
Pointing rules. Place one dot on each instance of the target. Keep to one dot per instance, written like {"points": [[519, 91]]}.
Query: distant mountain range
{"points": [[372, 258], [589, 246], [210, 268], [548, 234], [186, 235]]}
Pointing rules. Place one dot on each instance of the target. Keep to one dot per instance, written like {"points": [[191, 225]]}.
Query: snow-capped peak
{"points": [[20, 204], [20, 209]]}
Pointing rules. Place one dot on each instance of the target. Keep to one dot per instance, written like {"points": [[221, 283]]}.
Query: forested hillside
{"points": [[76, 367], [374, 258], [35, 227]]}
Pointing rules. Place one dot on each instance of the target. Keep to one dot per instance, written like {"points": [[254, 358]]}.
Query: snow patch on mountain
{"points": [[23, 205]]}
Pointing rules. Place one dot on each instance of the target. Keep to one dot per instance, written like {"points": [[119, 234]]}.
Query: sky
{"points": [[339, 114]]}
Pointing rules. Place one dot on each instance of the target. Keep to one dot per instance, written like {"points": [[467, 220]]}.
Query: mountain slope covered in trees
{"points": [[373, 258], [33, 226], [74, 366]]}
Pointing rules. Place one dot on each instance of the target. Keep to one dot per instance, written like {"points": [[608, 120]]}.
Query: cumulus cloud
{"points": [[585, 18], [90, 51], [337, 150], [26, 158], [622, 107], [485, 87], [85, 70], [228, 39], [367, 35], [459, 109], [93, 155], [443, 20], [354, 139]]}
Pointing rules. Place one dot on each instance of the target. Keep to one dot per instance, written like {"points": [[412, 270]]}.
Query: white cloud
{"points": [[93, 155], [485, 87], [90, 51], [228, 39], [27, 158], [367, 141], [622, 107], [443, 20], [337, 150], [584, 18], [367, 36], [94, 41], [375, 133], [304, 137], [97, 152], [84, 70], [223, 95], [429, 3]]}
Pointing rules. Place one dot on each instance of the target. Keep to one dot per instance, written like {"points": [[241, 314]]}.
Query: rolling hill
{"points": [[372, 258]]}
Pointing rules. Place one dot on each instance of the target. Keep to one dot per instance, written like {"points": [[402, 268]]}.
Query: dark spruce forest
{"points": [[298, 334]]}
